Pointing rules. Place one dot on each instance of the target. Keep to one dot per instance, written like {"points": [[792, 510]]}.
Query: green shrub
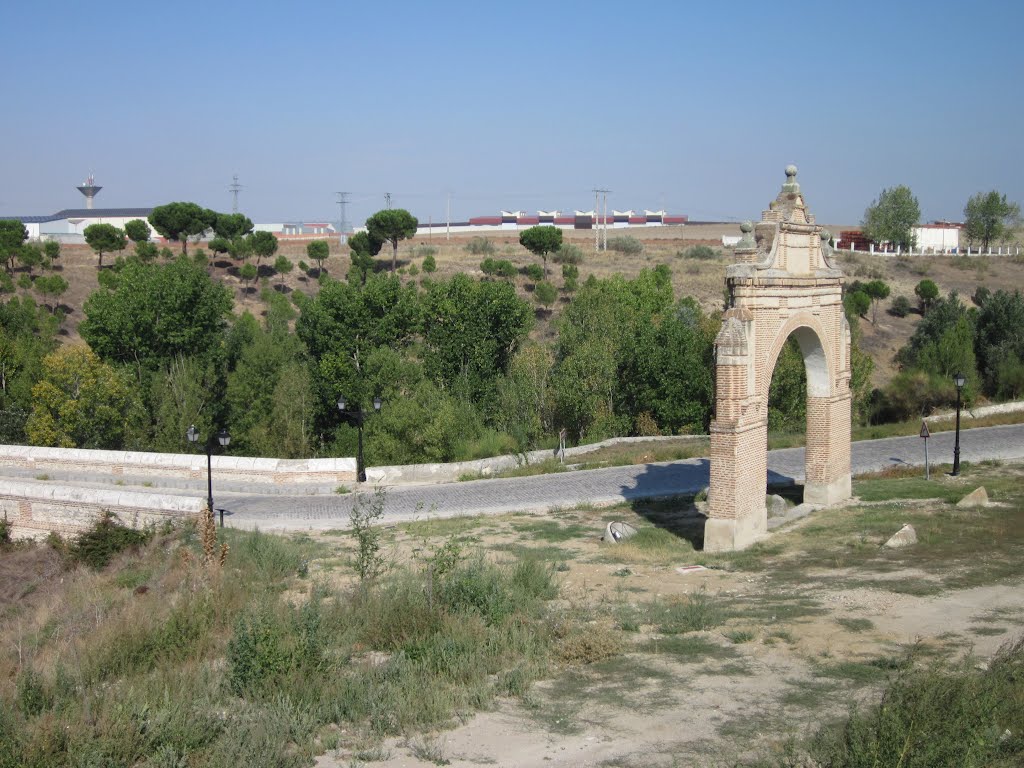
{"points": [[943, 715], [927, 292], [256, 652], [506, 269], [625, 244], [702, 252], [364, 522], [5, 533], [97, 546], [535, 272], [545, 293], [429, 264], [480, 246], [568, 254], [900, 306]]}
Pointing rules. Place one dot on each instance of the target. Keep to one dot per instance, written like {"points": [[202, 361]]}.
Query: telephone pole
{"points": [[343, 224], [235, 188]]}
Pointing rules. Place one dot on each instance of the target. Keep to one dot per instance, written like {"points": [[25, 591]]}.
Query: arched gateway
{"points": [[783, 284]]}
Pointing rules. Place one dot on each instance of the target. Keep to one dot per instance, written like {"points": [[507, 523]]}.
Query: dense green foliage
{"points": [[180, 221], [12, 235], [892, 217], [540, 241], [989, 217], [156, 312], [104, 238], [137, 230], [392, 225], [450, 358]]}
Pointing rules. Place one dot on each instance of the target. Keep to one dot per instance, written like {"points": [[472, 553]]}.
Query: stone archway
{"points": [[783, 284]]}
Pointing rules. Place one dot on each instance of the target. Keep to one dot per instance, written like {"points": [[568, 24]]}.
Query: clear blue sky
{"points": [[694, 106]]}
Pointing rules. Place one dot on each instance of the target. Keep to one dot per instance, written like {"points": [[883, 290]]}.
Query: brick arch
{"points": [[818, 359], [783, 284]]}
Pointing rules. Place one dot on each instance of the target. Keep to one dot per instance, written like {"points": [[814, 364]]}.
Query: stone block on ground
{"points": [[617, 531], [777, 505], [904, 537], [976, 498]]}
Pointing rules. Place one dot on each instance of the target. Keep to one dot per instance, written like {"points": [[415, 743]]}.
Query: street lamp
{"points": [[959, 380], [357, 416], [224, 439]]}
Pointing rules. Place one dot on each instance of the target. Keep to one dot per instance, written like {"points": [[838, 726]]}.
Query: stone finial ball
{"points": [[826, 235], [791, 170], [747, 227]]}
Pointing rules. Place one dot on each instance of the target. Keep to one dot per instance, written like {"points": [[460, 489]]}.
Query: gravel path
{"points": [[601, 486]]}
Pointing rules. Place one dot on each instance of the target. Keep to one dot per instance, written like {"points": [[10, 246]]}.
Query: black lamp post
{"points": [[357, 416], [959, 380], [224, 439]]}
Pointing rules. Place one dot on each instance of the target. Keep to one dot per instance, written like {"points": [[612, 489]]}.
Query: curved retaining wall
{"points": [[35, 509]]}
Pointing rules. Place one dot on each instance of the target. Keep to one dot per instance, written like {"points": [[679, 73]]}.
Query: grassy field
{"points": [[166, 657]]}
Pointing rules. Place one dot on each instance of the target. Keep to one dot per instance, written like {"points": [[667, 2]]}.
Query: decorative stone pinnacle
{"points": [[746, 241], [791, 184]]}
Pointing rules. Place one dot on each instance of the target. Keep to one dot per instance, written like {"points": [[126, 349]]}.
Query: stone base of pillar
{"points": [[825, 494], [729, 535]]}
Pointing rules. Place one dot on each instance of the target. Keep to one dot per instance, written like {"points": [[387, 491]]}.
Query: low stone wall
{"points": [[978, 413], [143, 464], [35, 509], [447, 473]]}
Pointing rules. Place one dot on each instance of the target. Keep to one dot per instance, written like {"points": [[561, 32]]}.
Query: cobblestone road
{"points": [[602, 486]]}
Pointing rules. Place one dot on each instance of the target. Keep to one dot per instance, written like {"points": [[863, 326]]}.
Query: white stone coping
{"points": [[46, 491], [979, 413], [255, 469]]}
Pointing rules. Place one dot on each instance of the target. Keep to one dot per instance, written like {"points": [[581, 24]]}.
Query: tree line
{"points": [[451, 358], [988, 218]]}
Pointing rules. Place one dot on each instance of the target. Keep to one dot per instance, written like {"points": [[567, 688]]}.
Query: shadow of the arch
{"points": [[664, 494]]}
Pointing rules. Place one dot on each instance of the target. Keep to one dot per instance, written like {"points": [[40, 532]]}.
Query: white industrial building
{"points": [[69, 225]]}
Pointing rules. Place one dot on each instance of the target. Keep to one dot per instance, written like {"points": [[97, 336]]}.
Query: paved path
{"points": [[602, 486]]}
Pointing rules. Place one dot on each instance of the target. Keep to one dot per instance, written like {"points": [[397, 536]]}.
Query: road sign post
{"points": [[925, 434]]}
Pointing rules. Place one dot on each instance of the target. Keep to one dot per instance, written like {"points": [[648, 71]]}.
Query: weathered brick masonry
{"points": [[782, 285], [35, 509]]}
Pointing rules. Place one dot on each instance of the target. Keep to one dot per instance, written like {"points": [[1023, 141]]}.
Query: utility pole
{"points": [[597, 219], [448, 224], [387, 199], [235, 187], [604, 244], [343, 224]]}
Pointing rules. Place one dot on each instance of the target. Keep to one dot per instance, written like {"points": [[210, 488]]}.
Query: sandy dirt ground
{"points": [[757, 683]]}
